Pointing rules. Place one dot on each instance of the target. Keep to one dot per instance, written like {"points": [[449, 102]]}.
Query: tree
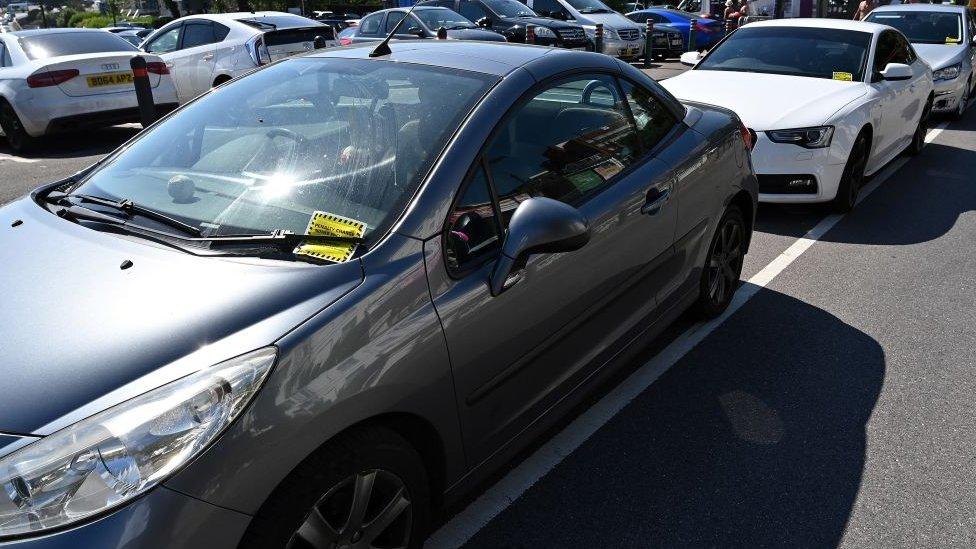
{"points": [[174, 10]]}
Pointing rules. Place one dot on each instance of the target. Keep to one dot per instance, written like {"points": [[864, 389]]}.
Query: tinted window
{"points": [[280, 21], [642, 17], [43, 46], [472, 11], [509, 8], [923, 27], [370, 26], [165, 42], [394, 17], [449, 19], [904, 49], [653, 120], [351, 138], [795, 51], [197, 34], [889, 50], [220, 31], [472, 228], [547, 7], [589, 6], [567, 143], [3, 55]]}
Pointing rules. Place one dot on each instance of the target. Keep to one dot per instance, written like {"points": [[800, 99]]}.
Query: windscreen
{"points": [[435, 19], [44, 46], [305, 137], [510, 8], [923, 27], [590, 6], [794, 51]]}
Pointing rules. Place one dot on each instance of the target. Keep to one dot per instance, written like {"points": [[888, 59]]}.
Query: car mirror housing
{"points": [[484, 22], [896, 71], [416, 31], [690, 58], [539, 225]]}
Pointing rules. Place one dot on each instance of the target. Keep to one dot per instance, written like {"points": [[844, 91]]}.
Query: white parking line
{"points": [[5, 156], [493, 501]]}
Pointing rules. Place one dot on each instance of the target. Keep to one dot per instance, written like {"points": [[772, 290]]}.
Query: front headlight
{"points": [[544, 32], [947, 73], [810, 138], [114, 456], [590, 31]]}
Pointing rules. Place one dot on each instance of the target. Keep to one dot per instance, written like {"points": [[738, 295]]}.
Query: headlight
{"points": [[111, 457], [590, 31], [544, 32], [810, 138], [947, 73]]}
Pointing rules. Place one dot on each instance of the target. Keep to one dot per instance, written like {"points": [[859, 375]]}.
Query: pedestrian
{"points": [[863, 9], [729, 9], [743, 10]]}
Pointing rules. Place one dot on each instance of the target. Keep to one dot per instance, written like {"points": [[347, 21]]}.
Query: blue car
{"points": [[707, 31]]}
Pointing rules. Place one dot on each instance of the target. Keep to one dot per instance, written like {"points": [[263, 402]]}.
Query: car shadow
{"points": [[78, 144], [756, 438], [919, 203]]}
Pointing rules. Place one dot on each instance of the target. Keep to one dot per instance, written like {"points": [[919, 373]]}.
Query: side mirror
{"points": [[484, 23], [416, 31], [539, 225], [897, 71], [690, 58]]}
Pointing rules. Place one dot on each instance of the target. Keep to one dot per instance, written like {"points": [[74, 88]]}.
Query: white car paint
{"points": [[234, 48], [38, 107], [890, 109]]}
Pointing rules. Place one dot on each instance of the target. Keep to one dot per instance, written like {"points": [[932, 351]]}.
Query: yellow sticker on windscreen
{"points": [[951, 40], [324, 223], [845, 76]]}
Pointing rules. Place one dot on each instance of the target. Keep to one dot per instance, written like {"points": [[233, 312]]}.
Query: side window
{"points": [[472, 229], [370, 26], [566, 142], [472, 11], [903, 51], [7, 62], [885, 51], [3, 55], [394, 17], [653, 119], [220, 32], [197, 34], [166, 42], [547, 7]]}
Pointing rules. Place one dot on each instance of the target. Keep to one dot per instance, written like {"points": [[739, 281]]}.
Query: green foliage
{"points": [[97, 22], [64, 17], [76, 19]]}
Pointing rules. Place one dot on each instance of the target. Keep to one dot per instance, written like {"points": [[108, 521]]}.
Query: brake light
{"points": [[702, 28], [748, 136], [50, 78], [259, 52], [157, 67], [345, 41]]}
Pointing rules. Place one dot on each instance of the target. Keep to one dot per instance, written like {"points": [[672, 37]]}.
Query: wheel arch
{"points": [[220, 79], [743, 200]]}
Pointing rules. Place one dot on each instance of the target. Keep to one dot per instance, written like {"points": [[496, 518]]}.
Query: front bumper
{"points": [[826, 166], [948, 93], [625, 49], [664, 46], [39, 110], [101, 119], [161, 519]]}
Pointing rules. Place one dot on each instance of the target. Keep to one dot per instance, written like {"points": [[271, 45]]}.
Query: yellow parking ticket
{"points": [[324, 223], [951, 40], [845, 76]]}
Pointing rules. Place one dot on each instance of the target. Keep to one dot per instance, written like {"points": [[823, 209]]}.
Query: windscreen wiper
{"points": [[128, 207], [281, 238]]}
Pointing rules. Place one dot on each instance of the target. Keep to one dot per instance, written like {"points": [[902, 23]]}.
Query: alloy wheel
{"points": [[859, 162], [369, 510], [963, 101], [725, 263]]}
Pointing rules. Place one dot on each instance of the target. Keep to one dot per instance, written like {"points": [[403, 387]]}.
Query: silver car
{"points": [[321, 302], [944, 36]]}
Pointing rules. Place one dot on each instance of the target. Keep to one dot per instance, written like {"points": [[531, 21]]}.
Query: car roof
{"points": [[418, 8], [36, 32], [497, 58], [923, 7], [839, 24]]}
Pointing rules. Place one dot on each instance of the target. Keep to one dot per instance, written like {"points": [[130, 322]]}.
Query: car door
{"points": [[914, 96], [195, 58], [166, 44], [515, 354], [411, 29], [370, 28], [890, 123]]}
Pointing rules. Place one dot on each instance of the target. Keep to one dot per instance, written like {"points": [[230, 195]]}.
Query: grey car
{"points": [[320, 303], [424, 22]]}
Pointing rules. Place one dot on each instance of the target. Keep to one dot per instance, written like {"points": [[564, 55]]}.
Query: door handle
{"points": [[654, 205], [208, 57]]}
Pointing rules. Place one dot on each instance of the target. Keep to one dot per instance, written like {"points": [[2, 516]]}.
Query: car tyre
{"points": [[853, 177], [367, 487], [918, 138], [723, 265], [963, 101], [17, 137]]}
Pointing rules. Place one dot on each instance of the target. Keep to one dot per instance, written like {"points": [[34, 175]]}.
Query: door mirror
{"points": [[416, 31], [484, 23], [690, 58], [539, 225], [896, 71]]}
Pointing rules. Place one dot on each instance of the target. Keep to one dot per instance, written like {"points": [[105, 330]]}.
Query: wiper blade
{"points": [[280, 237], [128, 207]]}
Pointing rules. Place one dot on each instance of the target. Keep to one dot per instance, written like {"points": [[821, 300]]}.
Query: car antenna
{"points": [[384, 47]]}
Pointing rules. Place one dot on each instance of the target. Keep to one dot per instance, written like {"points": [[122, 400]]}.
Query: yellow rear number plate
{"points": [[109, 79]]}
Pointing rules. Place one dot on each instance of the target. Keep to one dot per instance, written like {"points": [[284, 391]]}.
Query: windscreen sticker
{"points": [[845, 76], [951, 40], [325, 223]]}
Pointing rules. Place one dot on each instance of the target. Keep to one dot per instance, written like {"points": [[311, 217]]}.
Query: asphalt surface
{"points": [[835, 408]]}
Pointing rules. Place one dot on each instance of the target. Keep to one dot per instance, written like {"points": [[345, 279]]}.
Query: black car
{"points": [[668, 41], [509, 17], [423, 23]]}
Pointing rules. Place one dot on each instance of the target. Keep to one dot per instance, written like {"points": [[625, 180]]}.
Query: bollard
{"points": [[530, 34], [442, 33], [691, 35], [144, 96], [649, 44], [598, 38], [318, 42]]}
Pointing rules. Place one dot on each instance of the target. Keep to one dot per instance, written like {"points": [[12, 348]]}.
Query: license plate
{"points": [[676, 42], [109, 79]]}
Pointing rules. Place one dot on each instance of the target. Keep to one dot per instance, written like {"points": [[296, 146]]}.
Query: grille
{"points": [[787, 184], [573, 34], [628, 34]]}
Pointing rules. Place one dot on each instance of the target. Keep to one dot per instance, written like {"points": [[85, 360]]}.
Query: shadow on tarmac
{"points": [[77, 144]]}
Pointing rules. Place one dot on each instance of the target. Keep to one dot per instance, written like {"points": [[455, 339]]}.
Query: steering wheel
{"points": [[588, 90], [285, 132]]}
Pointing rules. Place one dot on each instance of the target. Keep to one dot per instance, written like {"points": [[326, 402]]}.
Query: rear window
{"points": [[43, 46], [923, 27], [297, 36], [283, 21]]}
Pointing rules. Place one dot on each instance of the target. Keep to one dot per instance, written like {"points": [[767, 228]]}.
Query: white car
{"points": [[204, 51], [830, 102], [69, 79], [944, 36]]}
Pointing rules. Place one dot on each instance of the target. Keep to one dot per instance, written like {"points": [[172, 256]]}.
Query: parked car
{"points": [[207, 50], [621, 37], [338, 21], [668, 41], [134, 37], [423, 23], [345, 37], [707, 31], [944, 36], [831, 102], [56, 80], [510, 18], [231, 381]]}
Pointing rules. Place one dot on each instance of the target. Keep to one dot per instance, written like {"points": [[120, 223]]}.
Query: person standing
{"points": [[863, 9]]}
